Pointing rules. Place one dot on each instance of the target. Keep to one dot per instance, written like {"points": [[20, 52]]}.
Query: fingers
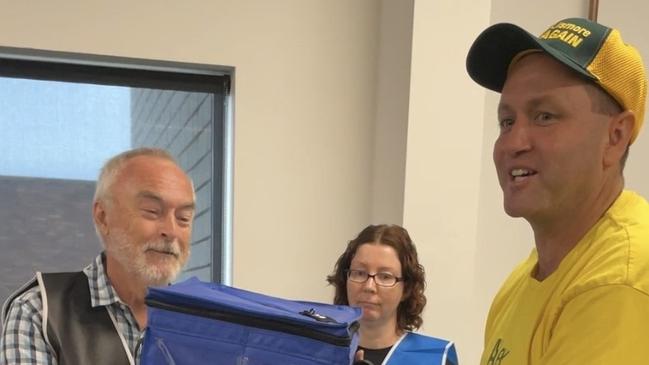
{"points": [[360, 354]]}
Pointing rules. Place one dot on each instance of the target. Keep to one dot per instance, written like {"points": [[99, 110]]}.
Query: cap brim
{"points": [[493, 51]]}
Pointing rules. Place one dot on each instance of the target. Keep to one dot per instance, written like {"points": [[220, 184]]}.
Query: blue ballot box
{"points": [[195, 322]]}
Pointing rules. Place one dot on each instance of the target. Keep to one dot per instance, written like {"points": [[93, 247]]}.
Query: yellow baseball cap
{"points": [[590, 49]]}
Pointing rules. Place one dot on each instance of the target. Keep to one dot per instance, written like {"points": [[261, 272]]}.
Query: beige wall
{"points": [[443, 166], [311, 165], [327, 95], [391, 121], [306, 80]]}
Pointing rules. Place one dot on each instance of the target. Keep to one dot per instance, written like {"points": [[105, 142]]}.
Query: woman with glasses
{"points": [[380, 273]]}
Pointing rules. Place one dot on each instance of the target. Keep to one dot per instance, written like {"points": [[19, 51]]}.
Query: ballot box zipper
{"points": [[261, 323]]}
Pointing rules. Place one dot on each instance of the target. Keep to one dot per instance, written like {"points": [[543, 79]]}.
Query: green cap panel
{"points": [[577, 39]]}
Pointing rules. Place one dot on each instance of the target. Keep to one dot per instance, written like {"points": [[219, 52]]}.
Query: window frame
{"points": [[155, 74]]}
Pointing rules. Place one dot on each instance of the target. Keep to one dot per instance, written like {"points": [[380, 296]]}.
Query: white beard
{"points": [[133, 257]]}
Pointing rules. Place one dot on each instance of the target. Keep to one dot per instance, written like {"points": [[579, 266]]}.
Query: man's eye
{"points": [[544, 117], [506, 123], [185, 220]]}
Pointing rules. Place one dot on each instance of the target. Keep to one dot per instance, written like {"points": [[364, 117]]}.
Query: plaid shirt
{"points": [[23, 341]]}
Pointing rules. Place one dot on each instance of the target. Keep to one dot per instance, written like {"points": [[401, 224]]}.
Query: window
{"points": [[63, 115]]}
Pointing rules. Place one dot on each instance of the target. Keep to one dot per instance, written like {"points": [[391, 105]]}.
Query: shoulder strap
{"points": [[79, 333], [5, 307]]}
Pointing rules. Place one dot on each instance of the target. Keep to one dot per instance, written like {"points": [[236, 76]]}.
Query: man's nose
{"points": [[168, 226], [517, 139]]}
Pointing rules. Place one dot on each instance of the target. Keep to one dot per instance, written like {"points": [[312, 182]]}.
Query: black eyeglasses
{"points": [[384, 279]]}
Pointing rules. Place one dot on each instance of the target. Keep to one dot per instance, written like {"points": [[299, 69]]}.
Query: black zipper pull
{"points": [[317, 316]]}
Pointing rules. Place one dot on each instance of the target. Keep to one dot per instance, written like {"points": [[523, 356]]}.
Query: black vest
{"points": [[78, 333]]}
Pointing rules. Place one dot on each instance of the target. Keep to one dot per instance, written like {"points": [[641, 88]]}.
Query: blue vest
{"points": [[416, 349]]}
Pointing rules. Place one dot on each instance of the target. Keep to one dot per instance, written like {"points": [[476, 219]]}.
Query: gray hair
{"points": [[114, 165]]}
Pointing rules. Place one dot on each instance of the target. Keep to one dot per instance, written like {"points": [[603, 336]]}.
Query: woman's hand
{"points": [[358, 359], [359, 355]]}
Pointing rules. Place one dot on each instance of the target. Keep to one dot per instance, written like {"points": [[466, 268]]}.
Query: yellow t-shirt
{"points": [[594, 309]]}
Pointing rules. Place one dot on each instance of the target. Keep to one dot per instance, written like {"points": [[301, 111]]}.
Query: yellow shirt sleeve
{"points": [[604, 325]]}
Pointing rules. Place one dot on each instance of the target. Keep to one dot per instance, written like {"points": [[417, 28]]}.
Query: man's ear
{"points": [[99, 216], [619, 135]]}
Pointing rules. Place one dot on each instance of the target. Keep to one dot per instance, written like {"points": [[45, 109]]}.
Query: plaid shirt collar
{"points": [[102, 292]]}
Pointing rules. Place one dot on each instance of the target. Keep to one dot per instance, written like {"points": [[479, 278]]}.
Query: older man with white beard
{"points": [[143, 211]]}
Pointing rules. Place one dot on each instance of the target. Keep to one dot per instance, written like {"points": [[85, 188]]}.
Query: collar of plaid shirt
{"points": [[102, 292]]}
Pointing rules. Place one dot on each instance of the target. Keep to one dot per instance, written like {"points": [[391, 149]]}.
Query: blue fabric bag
{"points": [[194, 322]]}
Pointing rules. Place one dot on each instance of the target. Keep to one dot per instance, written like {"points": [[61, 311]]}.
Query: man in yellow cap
{"points": [[572, 102]]}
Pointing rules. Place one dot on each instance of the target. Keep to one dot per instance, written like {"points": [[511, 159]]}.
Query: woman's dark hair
{"points": [[414, 300]]}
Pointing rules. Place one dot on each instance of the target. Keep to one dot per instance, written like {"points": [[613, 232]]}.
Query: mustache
{"points": [[171, 247]]}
